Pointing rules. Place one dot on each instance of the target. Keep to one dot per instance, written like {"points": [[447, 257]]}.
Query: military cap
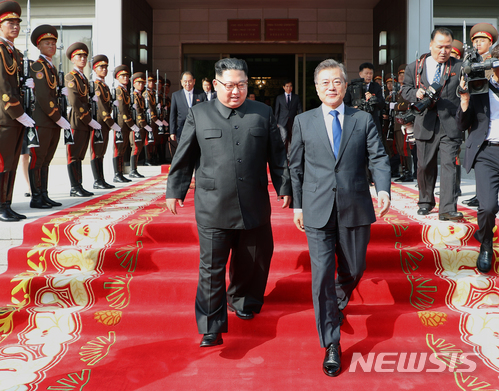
{"points": [[10, 10], [484, 30], [120, 70], [457, 47], [139, 76], [377, 77], [389, 79], [76, 48], [45, 31], [99, 60], [401, 69], [168, 82]]}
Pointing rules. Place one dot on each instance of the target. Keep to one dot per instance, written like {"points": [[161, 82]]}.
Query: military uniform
{"points": [[140, 110], [125, 121], [104, 111], [46, 114], [11, 130], [150, 145], [487, 31], [79, 117]]}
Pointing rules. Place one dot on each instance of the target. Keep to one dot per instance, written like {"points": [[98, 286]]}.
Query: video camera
{"points": [[431, 96], [358, 93], [473, 70]]}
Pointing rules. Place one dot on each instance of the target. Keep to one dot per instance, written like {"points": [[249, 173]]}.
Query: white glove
{"points": [[95, 98], [392, 105], [30, 83], [26, 120], [63, 123], [148, 128], [165, 123], [116, 127], [95, 125], [116, 103], [135, 128], [65, 91], [158, 107], [158, 122], [135, 106]]}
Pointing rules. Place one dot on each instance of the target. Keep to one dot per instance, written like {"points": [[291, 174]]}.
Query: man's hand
{"points": [[173, 137], [287, 201], [383, 203], [171, 204], [298, 220], [465, 97], [368, 95], [420, 93]]}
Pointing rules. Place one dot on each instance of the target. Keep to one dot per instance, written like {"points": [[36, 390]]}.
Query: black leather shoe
{"points": [[332, 361], [212, 339], [450, 216], [472, 199], [474, 203], [484, 260], [79, 192], [242, 314], [135, 174], [14, 213], [424, 211]]}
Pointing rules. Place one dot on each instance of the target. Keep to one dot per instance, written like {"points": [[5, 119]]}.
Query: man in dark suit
{"points": [[436, 129], [481, 113], [287, 107], [182, 100], [330, 149], [229, 141], [208, 91]]}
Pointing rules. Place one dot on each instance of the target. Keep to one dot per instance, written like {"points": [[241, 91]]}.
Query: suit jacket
{"points": [[46, 112], [80, 115], [319, 180], [444, 110], [374, 89], [230, 154], [213, 95], [283, 113], [477, 120], [180, 108]]}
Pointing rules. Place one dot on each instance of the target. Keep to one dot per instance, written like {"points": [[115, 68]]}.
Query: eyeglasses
{"points": [[230, 86]]}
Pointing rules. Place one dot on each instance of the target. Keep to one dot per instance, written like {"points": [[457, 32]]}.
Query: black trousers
{"points": [[331, 294], [487, 188], [251, 251]]}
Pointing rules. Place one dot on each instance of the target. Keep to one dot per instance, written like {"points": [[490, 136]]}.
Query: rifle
{"points": [[118, 136], [383, 83], [28, 96], [393, 99], [61, 98], [98, 138], [136, 135], [150, 135], [161, 129]]}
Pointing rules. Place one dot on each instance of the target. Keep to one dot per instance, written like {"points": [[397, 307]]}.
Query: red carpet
{"points": [[101, 297]]}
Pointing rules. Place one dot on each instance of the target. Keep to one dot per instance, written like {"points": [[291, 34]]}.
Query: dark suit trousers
{"points": [[330, 294], [249, 269], [428, 171], [487, 187]]}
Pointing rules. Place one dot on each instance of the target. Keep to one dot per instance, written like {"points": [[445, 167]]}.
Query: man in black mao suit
{"points": [[229, 141], [182, 100], [436, 129], [481, 113], [330, 148], [287, 107]]}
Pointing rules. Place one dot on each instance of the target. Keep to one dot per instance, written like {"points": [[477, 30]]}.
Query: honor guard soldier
{"points": [[102, 96], [46, 114], [80, 117], [155, 123], [162, 116], [125, 121], [378, 79], [457, 49], [137, 138], [12, 115]]}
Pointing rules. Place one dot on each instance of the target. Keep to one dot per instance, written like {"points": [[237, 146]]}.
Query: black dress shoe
{"points": [[484, 260], [472, 199], [332, 360], [450, 216], [424, 211], [135, 174], [14, 213], [212, 339], [474, 203], [79, 192], [241, 314]]}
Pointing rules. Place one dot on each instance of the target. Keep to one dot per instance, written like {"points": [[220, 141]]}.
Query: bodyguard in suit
{"points": [[287, 107], [481, 113], [46, 114], [208, 91], [182, 100], [229, 141], [330, 148], [12, 115], [436, 129]]}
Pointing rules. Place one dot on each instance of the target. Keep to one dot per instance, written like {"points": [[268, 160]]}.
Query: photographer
{"points": [[481, 112], [435, 130]]}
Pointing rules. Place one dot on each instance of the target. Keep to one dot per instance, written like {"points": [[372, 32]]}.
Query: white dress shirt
{"points": [[188, 96], [431, 68]]}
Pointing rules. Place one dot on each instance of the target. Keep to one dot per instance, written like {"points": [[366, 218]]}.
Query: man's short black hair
{"points": [[188, 73], [443, 31], [366, 65], [287, 81], [206, 79], [229, 64]]}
